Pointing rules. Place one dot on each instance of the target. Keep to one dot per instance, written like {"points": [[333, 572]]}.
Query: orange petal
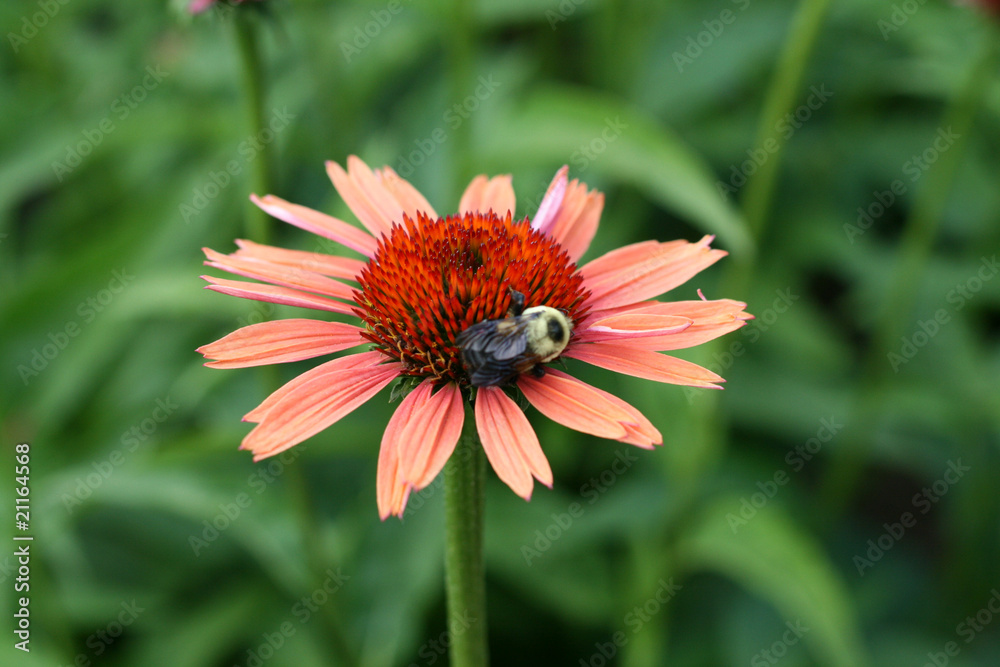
{"points": [[644, 364], [569, 214], [694, 335], [509, 442], [275, 294], [612, 261], [318, 223], [315, 405], [346, 268], [375, 207], [577, 230], [574, 404], [626, 327], [473, 195], [408, 196], [551, 203], [391, 490], [640, 431], [278, 274], [496, 194], [429, 435], [647, 274], [280, 341], [361, 360], [709, 320], [698, 310]]}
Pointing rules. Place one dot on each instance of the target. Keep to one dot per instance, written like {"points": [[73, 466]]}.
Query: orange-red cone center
{"points": [[431, 278]]}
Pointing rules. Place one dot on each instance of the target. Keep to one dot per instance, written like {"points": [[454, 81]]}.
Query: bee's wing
{"points": [[500, 340]]}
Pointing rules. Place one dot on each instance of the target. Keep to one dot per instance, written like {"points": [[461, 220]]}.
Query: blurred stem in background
{"points": [[465, 500], [780, 100], [460, 40], [848, 461], [247, 30], [706, 424]]}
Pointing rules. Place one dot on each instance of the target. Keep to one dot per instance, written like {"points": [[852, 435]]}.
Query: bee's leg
{"points": [[516, 304], [538, 371]]}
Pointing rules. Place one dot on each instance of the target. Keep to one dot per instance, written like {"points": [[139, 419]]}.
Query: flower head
{"points": [[422, 281]]}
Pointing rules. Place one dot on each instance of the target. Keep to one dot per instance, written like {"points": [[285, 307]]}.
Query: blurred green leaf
{"points": [[770, 556], [587, 130]]}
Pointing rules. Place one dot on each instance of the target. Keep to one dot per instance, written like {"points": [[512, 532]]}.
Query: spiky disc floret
{"points": [[431, 278]]}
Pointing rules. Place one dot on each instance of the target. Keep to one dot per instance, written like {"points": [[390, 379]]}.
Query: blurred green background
{"points": [[836, 505]]}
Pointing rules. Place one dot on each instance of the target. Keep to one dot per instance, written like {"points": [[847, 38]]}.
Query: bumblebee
{"points": [[495, 352]]}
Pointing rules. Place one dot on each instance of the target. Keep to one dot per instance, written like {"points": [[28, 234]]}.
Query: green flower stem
{"points": [[461, 40], [246, 22], [918, 239], [464, 500], [929, 203], [782, 94], [707, 422], [781, 100], [248, 42]]}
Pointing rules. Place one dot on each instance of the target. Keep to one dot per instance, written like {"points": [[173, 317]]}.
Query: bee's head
{"points": [[549, 331]]}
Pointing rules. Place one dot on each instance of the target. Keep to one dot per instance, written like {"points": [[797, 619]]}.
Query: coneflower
{"points": [[421, 280]]}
